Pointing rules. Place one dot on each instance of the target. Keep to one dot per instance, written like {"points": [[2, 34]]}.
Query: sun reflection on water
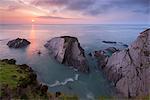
{"points": [[32, 38]]}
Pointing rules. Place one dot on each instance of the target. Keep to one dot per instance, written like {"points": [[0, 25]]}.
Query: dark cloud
{"points": [[80, 4], [96, 7]]}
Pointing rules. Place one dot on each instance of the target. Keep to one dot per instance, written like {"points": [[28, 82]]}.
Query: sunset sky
{"points": [[74, 11]]}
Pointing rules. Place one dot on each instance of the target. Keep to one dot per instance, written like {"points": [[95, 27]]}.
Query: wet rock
{"points": [[101, 58], [125, 45], [111, 50], [18, 43], [111, 42], [67, 50], [116, 43], [90, 54], [129, 69], [39, 52], [102, 55]]}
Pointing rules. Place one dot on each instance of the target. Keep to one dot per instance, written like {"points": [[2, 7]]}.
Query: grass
{"points": [[10, 74]]}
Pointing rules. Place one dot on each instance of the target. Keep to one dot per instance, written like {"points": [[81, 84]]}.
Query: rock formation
{"points": [[117, 43], [102, 55], [18, 43], [67, 50], [129, 69]]}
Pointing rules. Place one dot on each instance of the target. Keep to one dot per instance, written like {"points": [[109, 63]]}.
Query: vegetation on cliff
{"points": [[19, 82]]}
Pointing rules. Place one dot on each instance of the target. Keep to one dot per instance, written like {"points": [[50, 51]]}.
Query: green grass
{"points": [[10, 74]]}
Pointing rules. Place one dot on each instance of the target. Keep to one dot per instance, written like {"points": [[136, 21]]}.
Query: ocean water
{"points": [[60, 77]]}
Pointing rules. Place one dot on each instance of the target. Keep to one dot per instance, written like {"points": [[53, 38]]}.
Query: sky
{"points": [[75, 11]]}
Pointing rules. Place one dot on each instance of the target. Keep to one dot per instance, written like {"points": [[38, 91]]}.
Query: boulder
{"points": [[67, 50], [129, 69], [18, 43]]}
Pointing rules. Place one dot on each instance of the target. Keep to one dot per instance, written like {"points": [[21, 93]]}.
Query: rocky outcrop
{"points": [[129, 69], [102, 55], [18, 43], [67, 50]]}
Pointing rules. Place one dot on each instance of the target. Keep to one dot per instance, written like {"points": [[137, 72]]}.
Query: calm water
{"points": [[59, 77]]}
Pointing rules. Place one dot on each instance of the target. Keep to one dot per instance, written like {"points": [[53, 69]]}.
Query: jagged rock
{"points": [[18, 43], [102, 55], [129, 69], [67, 50], [101, 58]]}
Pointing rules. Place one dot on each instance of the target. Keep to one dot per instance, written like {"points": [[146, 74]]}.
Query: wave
{"points": [[90, 96], [58, 83]]}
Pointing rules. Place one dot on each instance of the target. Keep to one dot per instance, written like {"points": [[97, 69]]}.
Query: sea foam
{"points": [[58, 83]]}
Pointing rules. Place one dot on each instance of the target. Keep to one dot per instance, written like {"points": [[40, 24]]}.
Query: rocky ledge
{"points": [[18, 43], [67, 50], [129, 69]]}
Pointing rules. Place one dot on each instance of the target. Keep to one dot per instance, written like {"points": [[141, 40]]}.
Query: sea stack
{"points": [[129, 69], [67, 50], [18, 43]]}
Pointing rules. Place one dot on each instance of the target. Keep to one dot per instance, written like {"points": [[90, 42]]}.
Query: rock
{"points": [[25, 67], [117, 43], [111, 50], [67, 50], [102, 55], [101, 58], [57, 94], [44, 89], [129, 69], [18, 43], [11, 61], [111, 42], [90, 54], [39, 52]]}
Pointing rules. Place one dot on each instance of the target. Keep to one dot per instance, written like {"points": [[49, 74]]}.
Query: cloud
{"points": [[95, 7], [53, 17]]}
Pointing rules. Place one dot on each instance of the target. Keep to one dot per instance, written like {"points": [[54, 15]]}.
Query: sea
{"points": [[61, 78]]}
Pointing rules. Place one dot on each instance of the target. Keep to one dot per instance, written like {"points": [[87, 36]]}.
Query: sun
{"points": [[33, 20]]}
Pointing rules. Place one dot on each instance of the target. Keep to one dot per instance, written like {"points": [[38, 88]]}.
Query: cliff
{"points": [[67, 50]]}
